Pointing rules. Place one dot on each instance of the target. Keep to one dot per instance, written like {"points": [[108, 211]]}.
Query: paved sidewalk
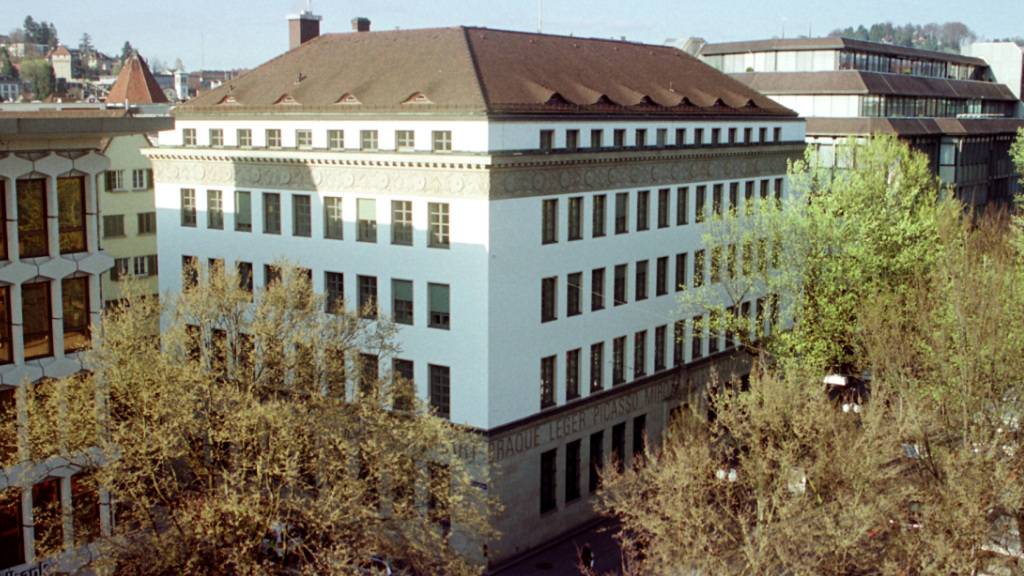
{"points": [[559, 558]]}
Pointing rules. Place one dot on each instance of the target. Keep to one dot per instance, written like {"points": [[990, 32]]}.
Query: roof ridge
{"points": [[476, 69]]}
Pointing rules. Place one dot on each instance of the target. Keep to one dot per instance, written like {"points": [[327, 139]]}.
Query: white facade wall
{"points": [[820, 106]]}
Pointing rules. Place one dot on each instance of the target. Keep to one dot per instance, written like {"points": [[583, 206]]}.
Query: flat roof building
{"points": [[526, 207], [949, 106]]}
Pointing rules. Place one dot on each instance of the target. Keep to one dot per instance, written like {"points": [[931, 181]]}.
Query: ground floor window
{"points": [[12, 547]]}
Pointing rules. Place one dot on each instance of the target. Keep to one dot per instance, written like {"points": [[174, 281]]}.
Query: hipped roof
{"points": [[135, 84]]}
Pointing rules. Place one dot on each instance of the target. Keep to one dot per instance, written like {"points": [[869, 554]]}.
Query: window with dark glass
{"points": [[572, 139], [682, 206], [402, 302], [661, 277], [716, 200], [641, 138], [549, 224], [732, 135], [619, 445], [764, 189], [714, 344], [643, 210], [680, 137], [214, 210], [716, 136], [572, 374], [699, 209], [622, 212], [641, 280], [547, 381], [334, 287], [659, 347], [404, 388], [778, 190], [401, 222], [548, 481], [440, 390], [762, 135], [620, 284], [596, 367], [12, 547], [547, 140], [640, 354], [368, 140], [662, 137], [620, 137], [75, 296], [33, 240], [271, 275], [3, 219], [777, 134], [575, 218], [271, 213], [639, 435], [243, 211], [734, 196], [679, 333], [37, 324], [698, 136], [716, 264], [574, 290], [440, 225], [663, 207], [699, 270], [748, 197], [302, 215], [618, 360], [681, 272], [697, 337], [245, 276], [439, 301], [6, 342], [596, 460], [188, 207], [599, 216], [572, 470], [597, 289], [548, 299], [113, 226], [47, 517], [366, 214], [333, 223], [367, 296]]}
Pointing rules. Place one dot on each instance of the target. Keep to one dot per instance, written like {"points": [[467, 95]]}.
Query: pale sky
{"points": [[219, 34]]}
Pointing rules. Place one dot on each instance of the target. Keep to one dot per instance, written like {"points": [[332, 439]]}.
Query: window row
{"points": [[438, 216], [369, 140], [647, 352], [141, 179], [403, 302], [37, 318], [595, 457], [33, 206], [668, 208], [113, 225], [134, 267], [658, 138]]}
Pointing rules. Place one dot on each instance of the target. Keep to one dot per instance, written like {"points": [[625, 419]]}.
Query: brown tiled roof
{"points": [[776, 44], [858, 82], [60, 50], [135, 84], [478, 70], [913, 126]]}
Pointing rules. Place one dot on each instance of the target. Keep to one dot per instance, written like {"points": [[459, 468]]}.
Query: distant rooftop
{"points": [[479, 70], [135, 84], [800, 44]]}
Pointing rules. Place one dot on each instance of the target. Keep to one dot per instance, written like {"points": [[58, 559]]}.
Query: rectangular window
{"points": [[368, 140], [732, 136], [440, 225], [661, 277], [640, 354], [368, 297], [549, 224], [547, 381], [547, 140], [762, 135], [572, 470], [333, 223], [121, 269], [47, 514], [680, 137], [214, 210], [405, 140], [778, 190], [572, 139], [304, 138], [572, 374], [662, 138], [245, 276], [113, 226], [271, 213], [596, 138], [639, 435], [273, 138], [334, 287], [663, 207], [140, 179], [402, 301], [244, 137], [574, 290], [439, 300], [85, 501], [302, 215], [641, 280], [405, 389], [659, 348], [71, 214], [243, 211], [6, 341], [620, 137], [188, 136], [699, 209], [643, 210], [620, 293], [682, 206], [336, 139], [699, 270], [37, 324], [640, 140], [366, 214], [597, 289], [146, 222], [777, 134], [401, 222], [679, 333], [600, 216], [114, 180], [575, 218], [716, 200], [596, 367], [716, 136], [698, 136], [75, 296], [748, 197], [216, 137], [622, 212], [618, 360], [441, 141], [596, 460], [548, 481], [714, 344], [440, 390], [681, 265], [764, 189], [548, 299], [271, 275], [734, 196], [619, 445], [748, 135]]}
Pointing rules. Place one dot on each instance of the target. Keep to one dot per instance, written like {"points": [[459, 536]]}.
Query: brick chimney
{"points": [[302, 28], [360, 24]]}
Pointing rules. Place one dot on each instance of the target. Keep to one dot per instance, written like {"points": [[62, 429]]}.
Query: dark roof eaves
{"points": [[805, 44]]}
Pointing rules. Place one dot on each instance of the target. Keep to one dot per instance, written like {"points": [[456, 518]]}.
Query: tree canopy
{"points": [[947, 37], [39, 76]]}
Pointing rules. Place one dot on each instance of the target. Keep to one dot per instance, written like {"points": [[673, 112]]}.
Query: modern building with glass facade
{"points": [[51, 260], [949, 106]]}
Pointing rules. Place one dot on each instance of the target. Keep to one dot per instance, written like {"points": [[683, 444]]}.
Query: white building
{"points": [[523, 205]]}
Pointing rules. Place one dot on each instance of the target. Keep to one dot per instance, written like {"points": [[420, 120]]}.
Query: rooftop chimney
{"points": [[360, 24], [302, 28]]}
